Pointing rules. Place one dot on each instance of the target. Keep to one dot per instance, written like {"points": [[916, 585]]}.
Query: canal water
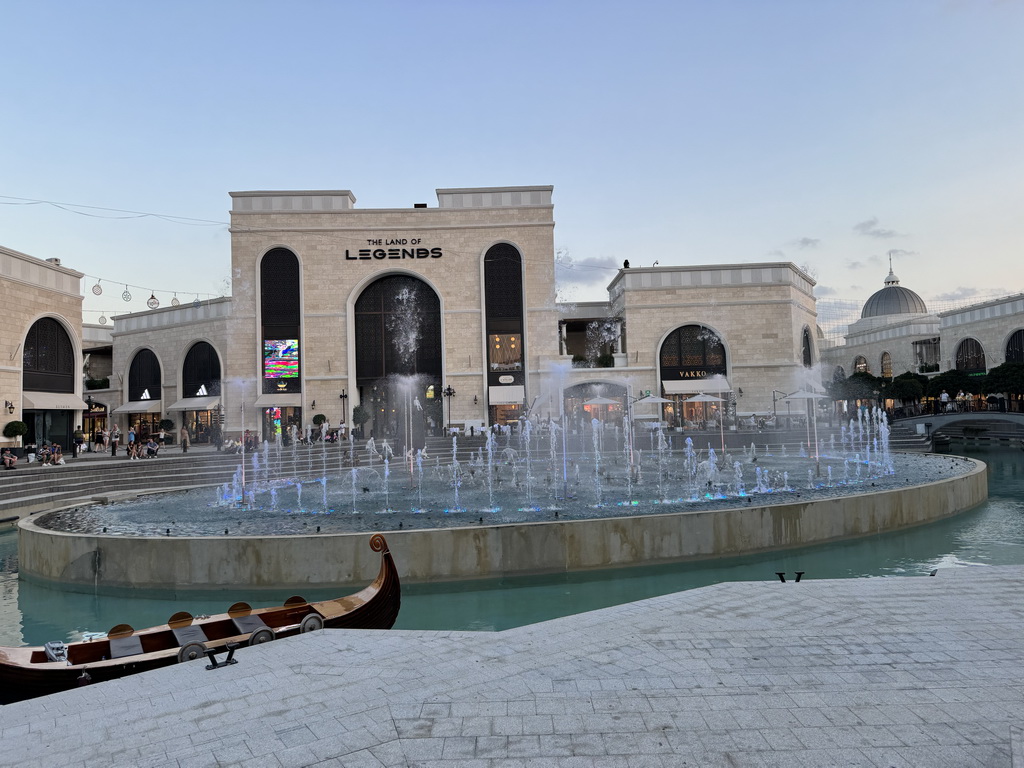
{"points": [[991, 534]]}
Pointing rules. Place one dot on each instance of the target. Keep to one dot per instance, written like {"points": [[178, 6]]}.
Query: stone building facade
{"points": [[422, 318], [41, 344]]}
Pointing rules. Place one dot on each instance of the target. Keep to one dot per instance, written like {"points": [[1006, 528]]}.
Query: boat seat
{"points": [[123, 642], [244, 620], [184, 630]]}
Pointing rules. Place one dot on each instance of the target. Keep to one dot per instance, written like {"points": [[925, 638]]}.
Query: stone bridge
{"points": [[978, 422]]}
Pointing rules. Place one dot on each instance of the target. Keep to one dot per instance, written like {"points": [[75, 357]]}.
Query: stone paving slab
{"points": [[859, 672]]}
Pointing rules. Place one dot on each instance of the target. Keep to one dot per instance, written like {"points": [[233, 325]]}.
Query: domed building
{"points": [[893, 299], [895, 334]]}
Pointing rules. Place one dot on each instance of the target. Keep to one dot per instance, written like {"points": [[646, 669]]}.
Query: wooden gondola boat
{"points": [[36, 671]]}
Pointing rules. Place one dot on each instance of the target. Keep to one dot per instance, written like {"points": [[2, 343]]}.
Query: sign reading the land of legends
{"points": [[394, 248]]}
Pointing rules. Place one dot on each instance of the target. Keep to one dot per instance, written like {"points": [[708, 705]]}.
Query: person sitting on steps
{"points": [[9, 459]]}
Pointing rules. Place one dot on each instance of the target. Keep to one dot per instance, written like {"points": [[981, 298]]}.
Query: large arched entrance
{"points": [[693, 361], [398, 360], [48, 384]]}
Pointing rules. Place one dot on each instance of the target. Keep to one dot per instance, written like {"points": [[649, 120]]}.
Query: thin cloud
{"points": [[777, 254], [958, 294], [824, 290], [870, 228], [807, 242], [855, 265]]}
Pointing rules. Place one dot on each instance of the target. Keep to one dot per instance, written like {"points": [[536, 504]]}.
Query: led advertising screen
{"points": [[280, 358]]}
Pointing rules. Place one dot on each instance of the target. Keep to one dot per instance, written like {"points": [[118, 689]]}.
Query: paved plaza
{"points": [[914, 671]]}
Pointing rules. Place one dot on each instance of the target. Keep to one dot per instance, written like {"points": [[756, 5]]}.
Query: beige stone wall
{"points": [[170, 332], [991, 324], [760, 323], [31, 289], [485, 551], [331, 283]]}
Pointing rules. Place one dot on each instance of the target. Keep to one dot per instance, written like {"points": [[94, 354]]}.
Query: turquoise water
{"points": [[992, 534]]}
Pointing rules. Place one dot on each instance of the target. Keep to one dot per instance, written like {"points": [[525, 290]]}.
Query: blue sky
{"points": [[823, 133]]}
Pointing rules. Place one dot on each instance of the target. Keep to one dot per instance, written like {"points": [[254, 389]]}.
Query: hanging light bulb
{"points": [[96, 289], [197, 303], [152, 302], [103, 320], [174, 301], [127, 296]]}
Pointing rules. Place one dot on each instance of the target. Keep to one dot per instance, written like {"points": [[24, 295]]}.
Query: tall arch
{"points": [[398, 354], [50, 366], [970, 356], [281, 322], [504, 326], [200, 371], [885, 365], [48, 358], [692, 358], [1015, 347]]}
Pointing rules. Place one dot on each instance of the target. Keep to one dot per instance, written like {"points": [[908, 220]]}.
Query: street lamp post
{"points": [[449, 393], [344, 406]]}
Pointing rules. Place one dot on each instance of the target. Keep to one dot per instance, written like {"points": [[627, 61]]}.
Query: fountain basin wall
{"points": [[111, 563]]}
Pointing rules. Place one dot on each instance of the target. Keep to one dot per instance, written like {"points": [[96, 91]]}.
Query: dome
{"points": [[894, 299]]}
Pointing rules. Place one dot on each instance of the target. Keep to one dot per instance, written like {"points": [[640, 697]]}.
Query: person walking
{"points": [[184, 438]]}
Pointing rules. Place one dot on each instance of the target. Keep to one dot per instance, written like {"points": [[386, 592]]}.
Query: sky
{"points": [[825, 133]]}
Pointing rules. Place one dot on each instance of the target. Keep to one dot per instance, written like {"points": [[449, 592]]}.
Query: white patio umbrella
{"points": [[601, 401], [803, 394], [702, 398]]}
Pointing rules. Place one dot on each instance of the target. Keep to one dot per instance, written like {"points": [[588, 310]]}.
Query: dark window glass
{"points": [[398, 329], [144, 376], [48, 358], [693, 347], [280, 311], [970, 356], [201, 369], [860, 365], [1015, 348], [808, 357]]}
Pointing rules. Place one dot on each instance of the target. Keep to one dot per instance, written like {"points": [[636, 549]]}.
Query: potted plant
{"points": [[360, 416], [15, 429]]}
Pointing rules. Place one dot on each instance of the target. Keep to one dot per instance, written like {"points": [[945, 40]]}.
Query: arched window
{"points": [[860, 364], [886, 365], [692, 352], [48, 360], [808, 356], [398, 329], [280, 314], [970, 356], [503, 300], [1015, 347], [144, 377], [200, 373]]}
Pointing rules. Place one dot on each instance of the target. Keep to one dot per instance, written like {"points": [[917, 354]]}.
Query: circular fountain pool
{"points": [[518, 505]]}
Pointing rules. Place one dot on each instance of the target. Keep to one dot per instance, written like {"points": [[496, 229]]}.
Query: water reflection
{"points": [[992, 534]]}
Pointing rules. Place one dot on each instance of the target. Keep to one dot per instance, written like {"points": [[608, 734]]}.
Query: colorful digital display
{"points": [[280, 358]]}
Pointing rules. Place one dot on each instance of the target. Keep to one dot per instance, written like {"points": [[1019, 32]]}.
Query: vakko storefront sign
{"points": [[393, 248]]}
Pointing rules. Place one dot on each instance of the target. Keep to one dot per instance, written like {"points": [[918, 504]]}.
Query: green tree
{"points": [[905, 390], [1008, 377], [360, 415], [15, 428], [951, 381]]}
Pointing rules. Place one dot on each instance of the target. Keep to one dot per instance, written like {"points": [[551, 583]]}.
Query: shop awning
{"points": [[693, 386], [140, 406], [52, 401], [279, 400], [512, 395], [195, 404]]}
